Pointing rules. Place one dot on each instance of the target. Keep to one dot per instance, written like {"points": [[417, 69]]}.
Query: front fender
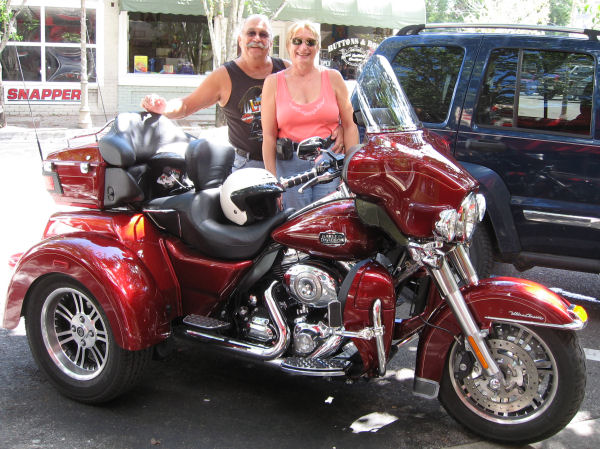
{"points": [[501, 299], [135, 308]]}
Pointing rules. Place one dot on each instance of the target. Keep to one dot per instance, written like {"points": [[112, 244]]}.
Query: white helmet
{"points": [[250, 194]]}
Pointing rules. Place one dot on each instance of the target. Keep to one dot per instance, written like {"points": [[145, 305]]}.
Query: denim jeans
{"points": [[291, 197], [244, 162]]}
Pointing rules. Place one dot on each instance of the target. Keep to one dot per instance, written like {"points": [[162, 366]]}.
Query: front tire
{"points": [[72, 343], [544, 370]]}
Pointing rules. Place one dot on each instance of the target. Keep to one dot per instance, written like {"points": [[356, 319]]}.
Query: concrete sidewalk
{"points": [[25, 134]]}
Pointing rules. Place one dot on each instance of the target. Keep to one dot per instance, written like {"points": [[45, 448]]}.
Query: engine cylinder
{"points": [[311, 285]]}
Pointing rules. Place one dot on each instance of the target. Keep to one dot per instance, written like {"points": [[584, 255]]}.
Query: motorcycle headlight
{"points": [[446, 226], [471, 212], [460, 224]]}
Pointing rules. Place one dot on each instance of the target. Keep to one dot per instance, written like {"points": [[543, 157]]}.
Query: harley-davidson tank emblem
{"points": [[332, 238]]}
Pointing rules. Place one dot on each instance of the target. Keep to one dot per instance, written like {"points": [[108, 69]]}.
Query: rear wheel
{"points": [[72, 342], [544, 373]]}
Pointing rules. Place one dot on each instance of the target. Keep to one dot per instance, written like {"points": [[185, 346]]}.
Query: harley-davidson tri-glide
{"points": [[165, 246]]}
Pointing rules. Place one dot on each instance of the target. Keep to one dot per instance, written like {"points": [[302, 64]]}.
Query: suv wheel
{"points": [[481, 251]]}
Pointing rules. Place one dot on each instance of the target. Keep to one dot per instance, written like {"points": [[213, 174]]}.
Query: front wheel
{"points": [[72, 342], [544, 373]]}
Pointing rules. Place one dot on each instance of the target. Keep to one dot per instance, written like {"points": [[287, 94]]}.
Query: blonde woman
{"points": [[305, 100]]}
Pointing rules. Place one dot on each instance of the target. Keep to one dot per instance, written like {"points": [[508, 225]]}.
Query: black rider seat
{"points": [[197, 217], [137, 148]]}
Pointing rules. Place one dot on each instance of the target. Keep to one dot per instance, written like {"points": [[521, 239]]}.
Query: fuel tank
{"points": [[330, 230]]}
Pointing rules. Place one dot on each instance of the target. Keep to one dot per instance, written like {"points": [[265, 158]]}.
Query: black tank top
{"points": [[242, 110]]}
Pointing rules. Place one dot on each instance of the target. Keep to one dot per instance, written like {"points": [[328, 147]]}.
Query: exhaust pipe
{"points": [[256, 351]]}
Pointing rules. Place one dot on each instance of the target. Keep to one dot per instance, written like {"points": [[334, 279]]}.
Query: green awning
{"points": [[372, 13]]}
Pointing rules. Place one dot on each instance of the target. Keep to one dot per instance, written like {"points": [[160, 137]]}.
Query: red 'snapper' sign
{"points": [[14, 94]]}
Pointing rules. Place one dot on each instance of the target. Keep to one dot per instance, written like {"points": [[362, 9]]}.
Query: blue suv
{"points": [[520, 113]]}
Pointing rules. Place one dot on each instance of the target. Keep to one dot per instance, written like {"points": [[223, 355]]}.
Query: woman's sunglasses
{"points": [[309, 42]]}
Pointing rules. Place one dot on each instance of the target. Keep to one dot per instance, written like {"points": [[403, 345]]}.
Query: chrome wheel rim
{"points": [[74, 334], [529, 368]]}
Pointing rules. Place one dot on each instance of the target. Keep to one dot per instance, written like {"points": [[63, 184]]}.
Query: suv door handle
{"points": [[486, 145]]}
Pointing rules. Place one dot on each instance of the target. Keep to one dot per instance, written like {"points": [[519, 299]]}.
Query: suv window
{"points": [[554, 94], [428, 75]]}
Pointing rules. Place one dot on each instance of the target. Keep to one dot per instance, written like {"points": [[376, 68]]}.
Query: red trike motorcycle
{"points": [[330, 290]]}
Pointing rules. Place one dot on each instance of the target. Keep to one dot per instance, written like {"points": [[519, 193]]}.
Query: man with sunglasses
{"points": [[237, 88]]}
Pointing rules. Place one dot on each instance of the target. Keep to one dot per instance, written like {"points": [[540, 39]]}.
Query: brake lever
{"points": [[310, 183]]}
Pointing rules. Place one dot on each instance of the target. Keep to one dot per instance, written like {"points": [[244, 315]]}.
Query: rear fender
{"points": [[137, 311], [501, 299]]}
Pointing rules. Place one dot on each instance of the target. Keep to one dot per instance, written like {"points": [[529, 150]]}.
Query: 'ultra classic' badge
{"points": [[332, 238]]}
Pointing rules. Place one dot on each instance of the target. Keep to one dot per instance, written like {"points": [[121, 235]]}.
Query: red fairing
{"points": [[319, 232], [371, 282], [412, 181], [496, 299]]}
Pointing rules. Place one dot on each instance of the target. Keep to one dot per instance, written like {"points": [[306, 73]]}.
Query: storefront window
{"points": [[53, 43], [345, 48], [169, 43]]}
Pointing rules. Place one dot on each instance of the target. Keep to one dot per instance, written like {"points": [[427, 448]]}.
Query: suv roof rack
{"points": [[416, 29]]}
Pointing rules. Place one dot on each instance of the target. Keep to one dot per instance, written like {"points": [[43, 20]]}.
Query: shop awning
{"points": [[372, 13]]}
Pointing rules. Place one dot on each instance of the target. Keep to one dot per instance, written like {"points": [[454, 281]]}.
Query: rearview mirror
{"points": [[309, 149]]}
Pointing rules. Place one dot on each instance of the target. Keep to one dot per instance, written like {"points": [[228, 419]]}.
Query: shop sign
{"points": [[353, 51], [41, 94]]}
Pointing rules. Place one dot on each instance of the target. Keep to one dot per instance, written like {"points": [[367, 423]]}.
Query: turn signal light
{"points": [[580, 312]]}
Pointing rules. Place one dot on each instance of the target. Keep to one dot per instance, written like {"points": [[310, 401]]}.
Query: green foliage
{"points": [[594, 11], [542, 12], [560, 12]]}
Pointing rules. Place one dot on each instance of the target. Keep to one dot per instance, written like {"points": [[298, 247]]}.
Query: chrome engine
{"points": [[311, 285]]}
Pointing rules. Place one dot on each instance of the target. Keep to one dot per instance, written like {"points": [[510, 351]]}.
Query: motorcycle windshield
{"points": [[383, 104]]}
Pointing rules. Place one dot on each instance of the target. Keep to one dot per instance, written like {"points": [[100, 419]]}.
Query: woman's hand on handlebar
{"points": [[154, 103]]}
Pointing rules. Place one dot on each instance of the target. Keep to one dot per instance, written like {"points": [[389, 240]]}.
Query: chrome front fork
{"points": [[446, 282]]}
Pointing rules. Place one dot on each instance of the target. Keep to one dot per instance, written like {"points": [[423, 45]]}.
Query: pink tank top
{"points": [[301, 121]]}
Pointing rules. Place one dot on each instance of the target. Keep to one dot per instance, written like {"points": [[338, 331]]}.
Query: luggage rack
{"points": [[416, 29], [94, 136]]}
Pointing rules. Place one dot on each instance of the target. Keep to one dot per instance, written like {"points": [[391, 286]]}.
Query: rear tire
{"points": [[545, 374], [72, 343]]}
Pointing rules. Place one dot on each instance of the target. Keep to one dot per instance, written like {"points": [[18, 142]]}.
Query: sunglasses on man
{"points": [[309, 42], [261, 34]]}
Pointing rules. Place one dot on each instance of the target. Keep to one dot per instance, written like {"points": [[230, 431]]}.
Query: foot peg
{"points": [[205, 322], [315, 367]]}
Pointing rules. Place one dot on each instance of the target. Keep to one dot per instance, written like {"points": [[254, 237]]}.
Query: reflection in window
{"points": [[554, 94], [28, 24], [556, 91], [497, 95], [64, 25], [428, 75], [169, 43], [29, 60], [54, 56], [64, 64]]}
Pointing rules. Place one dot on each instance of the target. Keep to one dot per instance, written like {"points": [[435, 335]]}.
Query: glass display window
{"points": [[168, 44], [49, 47]]}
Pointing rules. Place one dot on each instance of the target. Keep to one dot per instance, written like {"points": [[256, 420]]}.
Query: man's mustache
{"points": [[256, 44]]}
